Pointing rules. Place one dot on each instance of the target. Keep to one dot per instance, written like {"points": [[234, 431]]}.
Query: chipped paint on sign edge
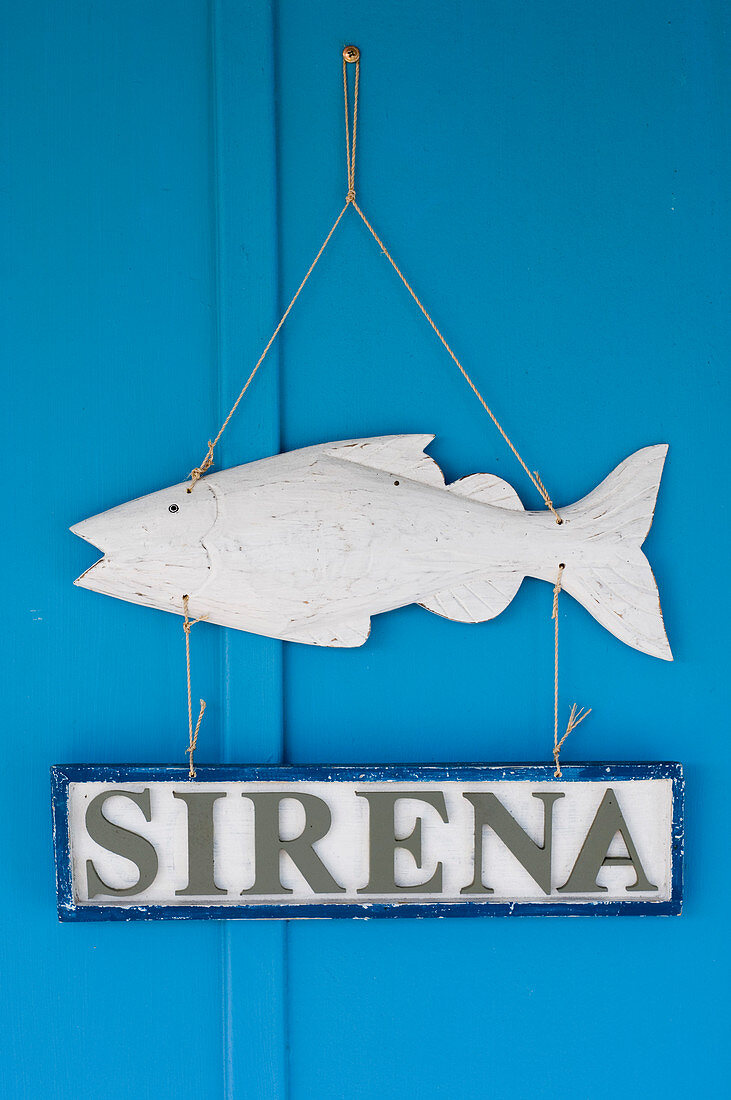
{"points": [[64, 774]]}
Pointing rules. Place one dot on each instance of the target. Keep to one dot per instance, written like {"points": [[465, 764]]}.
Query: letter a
{"points": [[593, 856]]}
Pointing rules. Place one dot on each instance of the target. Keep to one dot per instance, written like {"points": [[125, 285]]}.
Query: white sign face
{"points": [[137, 842]]}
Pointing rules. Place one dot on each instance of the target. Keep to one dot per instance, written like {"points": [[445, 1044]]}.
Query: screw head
{"points": [[351, 53]]}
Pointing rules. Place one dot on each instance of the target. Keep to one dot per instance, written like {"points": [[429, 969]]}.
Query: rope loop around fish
{"points": [[351, 59], [192, 734], [576, 716]]}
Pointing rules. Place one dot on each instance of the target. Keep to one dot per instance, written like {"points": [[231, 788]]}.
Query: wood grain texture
{"points": [[439, 841], [307, 546]]}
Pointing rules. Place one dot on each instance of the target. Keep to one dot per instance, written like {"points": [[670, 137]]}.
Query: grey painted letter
{"points": [[383, 842], [593, 856], [200, 842], [122, 842], [490, 813], [268, 845]]}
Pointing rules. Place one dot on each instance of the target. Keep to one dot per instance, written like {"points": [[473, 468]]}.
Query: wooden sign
{"points": [[307, 546], [469, 840]]}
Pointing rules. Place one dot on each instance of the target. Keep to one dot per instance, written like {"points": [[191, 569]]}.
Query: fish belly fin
{"points": [[613, 579], [393, 454], [475, 600], [488, 489], [334, 633]]}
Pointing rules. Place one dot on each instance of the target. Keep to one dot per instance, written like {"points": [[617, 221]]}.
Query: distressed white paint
{"points": [[308, 545], [646, 805]]}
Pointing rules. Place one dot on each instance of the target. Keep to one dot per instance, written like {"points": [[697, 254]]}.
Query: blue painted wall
{"points": [[552, 177]]}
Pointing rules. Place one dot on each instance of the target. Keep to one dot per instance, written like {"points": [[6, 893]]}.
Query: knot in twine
{"points": [[194, 740], [351, 135], [547, 501], [574, 719], [192, 734], [197, 472], [576, 716]]}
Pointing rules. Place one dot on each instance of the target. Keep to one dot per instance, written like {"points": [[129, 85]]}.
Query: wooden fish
{"points": [[307, 546]]}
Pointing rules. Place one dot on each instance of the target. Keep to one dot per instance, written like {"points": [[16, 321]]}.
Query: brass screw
{"points": [[351, 53]]}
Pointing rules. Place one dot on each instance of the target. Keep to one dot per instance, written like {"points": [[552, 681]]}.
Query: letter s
{"points": [[122, 842]]}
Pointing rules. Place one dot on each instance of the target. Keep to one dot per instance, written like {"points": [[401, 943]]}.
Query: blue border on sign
{"points": [[64, 774]]}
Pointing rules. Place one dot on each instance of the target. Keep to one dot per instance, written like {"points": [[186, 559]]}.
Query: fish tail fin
{"points": [[612, 577]]}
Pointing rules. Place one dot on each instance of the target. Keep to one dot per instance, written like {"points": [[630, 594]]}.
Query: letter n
{"points": [[536, 859]]}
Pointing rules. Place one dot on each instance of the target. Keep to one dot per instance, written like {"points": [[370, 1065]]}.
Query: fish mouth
{"points": [[154, 582], [86, 531], [82, 580], [89, 531], [78, 529], [105, 575]]}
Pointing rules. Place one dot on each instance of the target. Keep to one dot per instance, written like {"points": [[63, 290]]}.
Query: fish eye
{"points": [[173, 507]]}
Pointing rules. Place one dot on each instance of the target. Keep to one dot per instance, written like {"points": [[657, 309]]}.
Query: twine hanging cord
{"points": [[576, 716], [192, 734], [198, 471], [351, 56]]}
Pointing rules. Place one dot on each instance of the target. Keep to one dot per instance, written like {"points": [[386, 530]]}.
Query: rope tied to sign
{"points": [[351, 56], [192, 734], [576, 716]]}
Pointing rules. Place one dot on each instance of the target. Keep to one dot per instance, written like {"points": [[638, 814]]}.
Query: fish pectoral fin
{"points": [[488, 489], [335, 633], [475, 600]]}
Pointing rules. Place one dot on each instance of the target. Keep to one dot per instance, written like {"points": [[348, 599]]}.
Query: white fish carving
{"points": [[307, 546]]}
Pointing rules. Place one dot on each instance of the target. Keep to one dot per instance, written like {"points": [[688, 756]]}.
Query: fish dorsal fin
{"points": [[476, 600], [488, 489], [394, 454]]}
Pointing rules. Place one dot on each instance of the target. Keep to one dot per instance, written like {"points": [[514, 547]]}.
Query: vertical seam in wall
{"points": [[215, 215], [276, 53], [223, 645], [281, 339], [218, 232]]}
